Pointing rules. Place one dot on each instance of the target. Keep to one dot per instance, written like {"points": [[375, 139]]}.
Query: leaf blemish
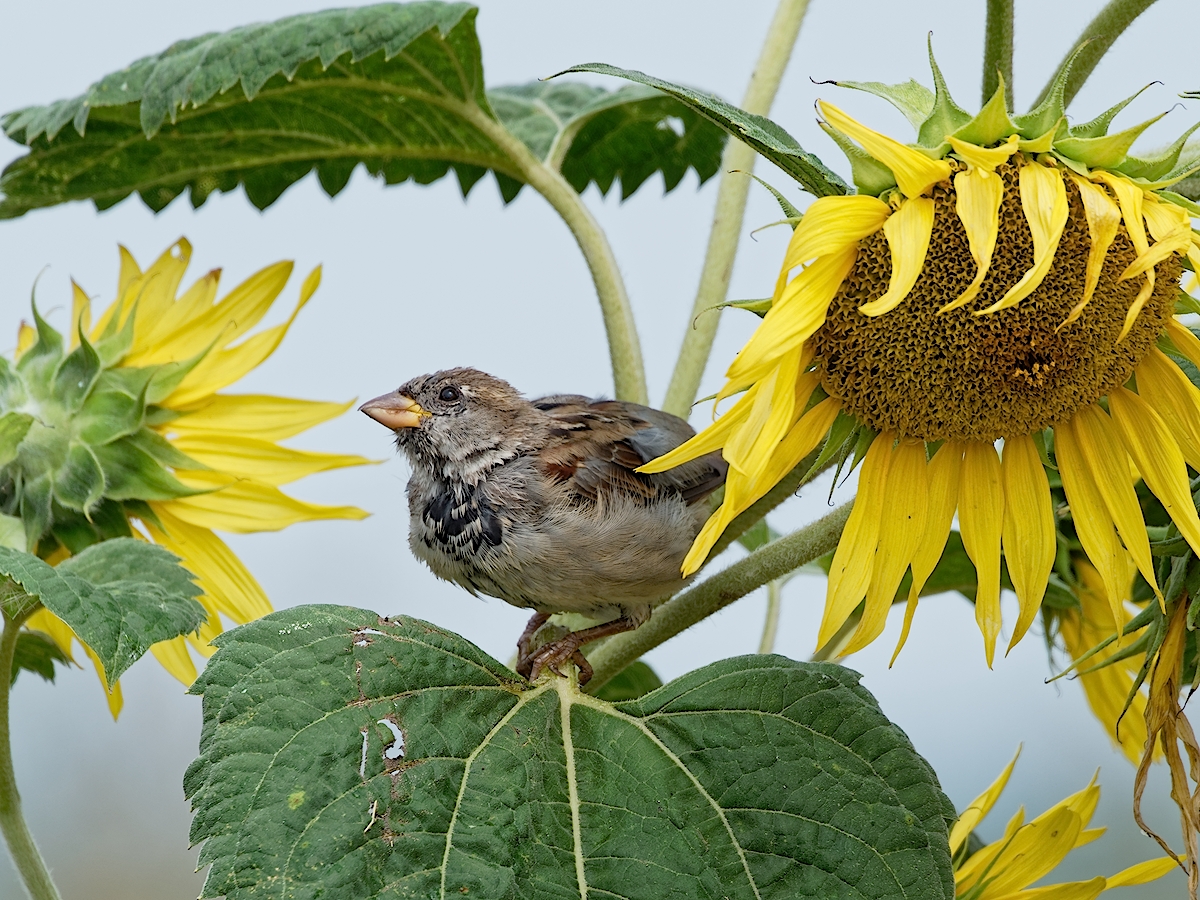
{"points": [[362, 636], [362, 766], [394, 750]]}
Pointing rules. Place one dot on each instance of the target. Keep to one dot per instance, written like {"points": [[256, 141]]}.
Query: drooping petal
{"points": [[1171, 229], [830, 225], [1044, 201], [1028, 535], [977, 810], [243, 506], [984, 159], [150, 295], [1132, 199], [710, 439], [26, 338], [1028, 855], [186, 309], [1109, 465], [1177, 401], [850, 572], [81, 314], [1143, 872], [797, 317], [901, 527], [915, 172], [1093, 521], [803, 438], [1158, 458], [59, 631], [173, 656], [980, 514], [267, 418], [742, 442], [907, 230], [1184, 340], [1103, 219], [943, 475], [978, 197], [262, 460]]}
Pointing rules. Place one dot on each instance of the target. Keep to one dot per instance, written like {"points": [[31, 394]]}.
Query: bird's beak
{"points": [[394, 411]]}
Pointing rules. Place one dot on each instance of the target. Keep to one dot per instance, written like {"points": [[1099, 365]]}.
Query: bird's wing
{"points": [[595, 446]]}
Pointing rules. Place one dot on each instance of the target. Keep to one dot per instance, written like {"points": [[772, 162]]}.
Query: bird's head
{"points": [[450, 417]]}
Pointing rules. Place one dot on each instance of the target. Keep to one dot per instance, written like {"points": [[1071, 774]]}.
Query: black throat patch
{"points": [[462, 521]]}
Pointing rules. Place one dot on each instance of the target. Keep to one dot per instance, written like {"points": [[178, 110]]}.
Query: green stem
{"points": [[771, 623], [1100, 34], [686, 609], [731, 207], [625, 352], [24, 851], [998, 49]]}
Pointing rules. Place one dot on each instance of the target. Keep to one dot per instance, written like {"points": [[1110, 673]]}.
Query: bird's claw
{"points": [[551, 656]]}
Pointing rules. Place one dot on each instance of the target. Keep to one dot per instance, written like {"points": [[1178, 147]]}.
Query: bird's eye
{"points": [[449, 395]]}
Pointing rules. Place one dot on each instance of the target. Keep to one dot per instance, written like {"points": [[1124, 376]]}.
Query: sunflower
{"points": [[1005, 280], [1029, 851], [175, 461]]}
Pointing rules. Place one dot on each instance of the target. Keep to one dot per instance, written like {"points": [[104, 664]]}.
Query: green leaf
{"points": [[131, 473], [345, 755], [992, 123], [1107, 151], [79, 484], [37, 653], [946, 117], [1098, 126], [758, 535], [912, 98], [636, 680], [75, 376], [767, 138], [869, 175], [116, 407], [396, 88], [13, 428], [597, 136], [119, 597]]}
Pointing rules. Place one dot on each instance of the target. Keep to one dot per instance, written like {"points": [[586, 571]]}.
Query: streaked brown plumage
{"points": [[537, 501]]}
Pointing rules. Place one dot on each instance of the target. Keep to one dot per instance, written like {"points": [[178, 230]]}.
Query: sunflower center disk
{"points": [[958, 376]]}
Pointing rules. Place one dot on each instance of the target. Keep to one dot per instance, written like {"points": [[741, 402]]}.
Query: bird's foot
{"points": [[536, 621], [552, 655]]}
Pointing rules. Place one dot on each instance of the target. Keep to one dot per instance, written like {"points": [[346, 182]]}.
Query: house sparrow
{"points": [[537, 501]]}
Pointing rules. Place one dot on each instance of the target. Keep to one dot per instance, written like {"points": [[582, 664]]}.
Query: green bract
{"points": [[76, 452]]}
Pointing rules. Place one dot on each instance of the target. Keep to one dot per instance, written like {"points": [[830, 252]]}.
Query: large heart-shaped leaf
{"points": [[395, 87], [345, 755], [769, 139]]}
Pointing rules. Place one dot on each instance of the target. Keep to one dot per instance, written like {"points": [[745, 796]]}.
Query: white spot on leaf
{"points": [[394, 750]]}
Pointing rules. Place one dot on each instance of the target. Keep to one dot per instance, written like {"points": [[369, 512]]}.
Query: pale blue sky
{"points": [[416, 279]]}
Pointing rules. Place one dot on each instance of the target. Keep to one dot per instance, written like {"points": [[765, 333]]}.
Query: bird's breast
{"points": [[456, 518]]}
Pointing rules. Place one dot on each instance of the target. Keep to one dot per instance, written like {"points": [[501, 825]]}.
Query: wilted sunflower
{"points": [[1029, 851], [127, 434], [1005, 279]]}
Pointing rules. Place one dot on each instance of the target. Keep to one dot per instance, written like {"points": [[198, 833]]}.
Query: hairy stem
{"points": [[731, 207], [771, 624], [686, 609], [24, 851], [625, 351], [998, 49], [1100, 34]]}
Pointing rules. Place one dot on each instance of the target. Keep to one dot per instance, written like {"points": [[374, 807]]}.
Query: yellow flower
{"points": [[1008, 281], [1107, 688], [221, 449], [1029, 851]]}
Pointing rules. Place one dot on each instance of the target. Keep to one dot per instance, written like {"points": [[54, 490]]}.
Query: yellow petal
{"points": [[1044, 201], [1158, 458], [81, 314], [1029, 536], [735, 490], [149, 296], [224, 323], [803, 438], [797, 317], [249, 457], [1089, 512], [193, 303], [113, 697], [1131, 198], [980, 514], [983, 159], [1184, 340], [943, 476], [245, 506], [1103, 219], [850, 573], [1028, 855], [268, 418], [228, 584], [744, 440], [709, 440], [220, 368], [1144, 872], [901, 527], [907, 231], [174, 657], [1163, 385], [1072, 890], [915, 172], [978, 196], [977, 810], [26, 337], [55, 628], [830, 225], [1109, 465]]}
